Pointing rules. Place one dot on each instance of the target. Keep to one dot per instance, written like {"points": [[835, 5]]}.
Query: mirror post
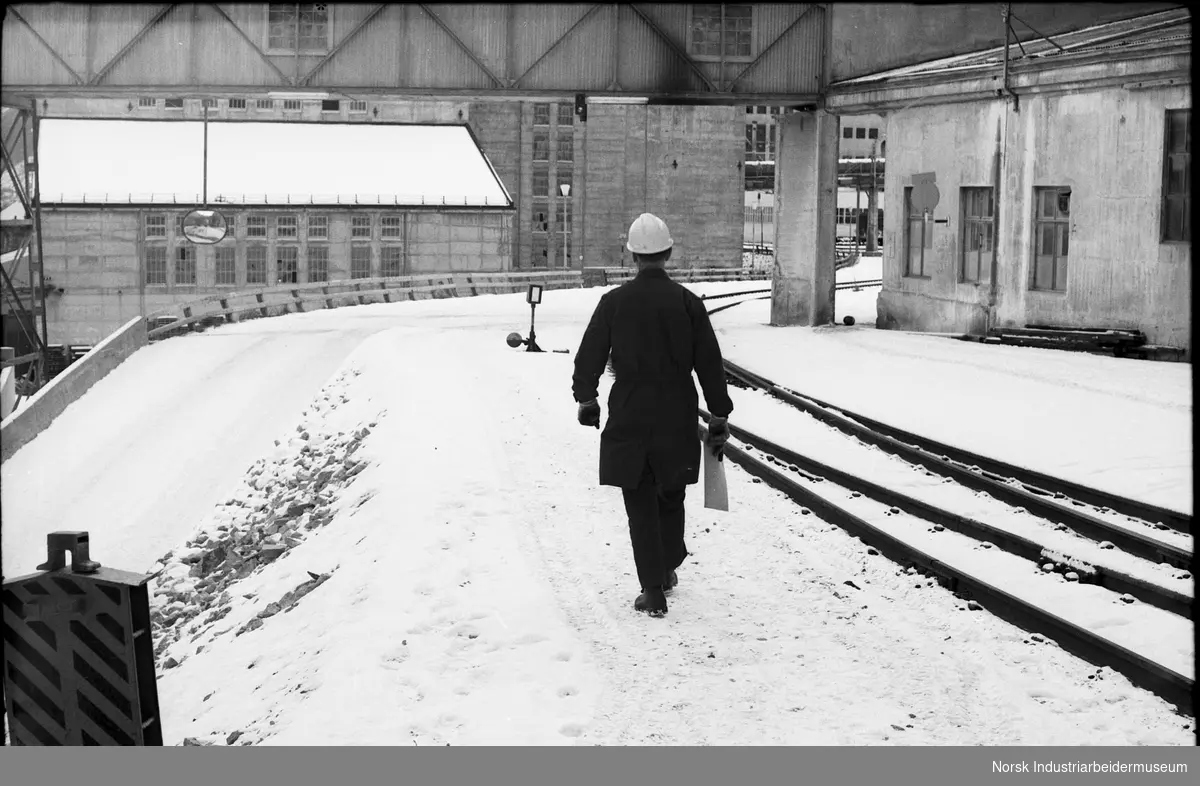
{"points": [[204, 197]]}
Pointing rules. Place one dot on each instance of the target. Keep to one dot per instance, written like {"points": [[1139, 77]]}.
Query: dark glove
{"points": [[589, 413], [718, 435]]}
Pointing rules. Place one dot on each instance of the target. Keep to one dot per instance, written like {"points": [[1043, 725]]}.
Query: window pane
{"points": [[185, 265], [285, 226], [318, 263], [256, 265], [287, 265], [1042, 272], [1063, 233], [1045, 203], [391, 260], [872, 133], [1178, 137], [1046, 239], [360, 262], [860, 133], [156, 265], [391, 226], [1177, 174], [541, 146], [226, 270], [1176, 217], [566, 147], [566, 114], [541, 114], [847, 133], [360, 226], [1063, 199]]}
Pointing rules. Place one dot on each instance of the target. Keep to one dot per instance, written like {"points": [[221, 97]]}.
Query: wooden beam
{"points": [[282, 77], [466, 49], [119, 56], [349, 36], [771, 45], [556, 44], [53, 53], [675, 48]]}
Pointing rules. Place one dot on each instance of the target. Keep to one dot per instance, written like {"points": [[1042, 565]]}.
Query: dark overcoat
{"points": [[656, 333]]}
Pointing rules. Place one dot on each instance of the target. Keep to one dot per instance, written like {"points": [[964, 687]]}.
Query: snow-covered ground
{"points": [[451, 572]]}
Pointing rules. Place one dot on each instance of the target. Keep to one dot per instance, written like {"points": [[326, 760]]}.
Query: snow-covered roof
{"points": [[154, 161], [1164, 27]]}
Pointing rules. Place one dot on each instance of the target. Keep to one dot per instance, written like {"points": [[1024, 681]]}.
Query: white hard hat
{"points": [[648, 235]]}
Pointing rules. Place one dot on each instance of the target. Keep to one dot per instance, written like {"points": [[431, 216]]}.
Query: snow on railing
{"points": [[323, 200]]}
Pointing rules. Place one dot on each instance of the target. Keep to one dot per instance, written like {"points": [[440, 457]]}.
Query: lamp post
{"points": [[565, 188]]}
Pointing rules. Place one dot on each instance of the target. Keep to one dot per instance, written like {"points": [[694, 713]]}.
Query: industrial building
{"points": [[1061, 189], [588, 115]]}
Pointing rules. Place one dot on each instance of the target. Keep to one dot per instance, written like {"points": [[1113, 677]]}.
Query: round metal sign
{"points": [[205, 227], [925, 196]]}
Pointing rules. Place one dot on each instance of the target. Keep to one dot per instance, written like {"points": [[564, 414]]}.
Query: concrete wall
{"points": [[1107, 145], [872, 37], [48, 403], [97, 257], [678, 162]]}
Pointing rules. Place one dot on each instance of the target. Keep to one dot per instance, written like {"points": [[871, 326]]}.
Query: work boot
{"points": [[652, 601], [670, 582]]}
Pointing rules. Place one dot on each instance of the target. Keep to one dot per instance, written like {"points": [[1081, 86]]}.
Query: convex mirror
{"points": [[205, 227]]}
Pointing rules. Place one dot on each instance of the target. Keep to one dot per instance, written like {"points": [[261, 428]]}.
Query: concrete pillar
{"points": [[805, 219]]}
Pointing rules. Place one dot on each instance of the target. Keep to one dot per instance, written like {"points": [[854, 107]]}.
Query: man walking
{"points": [[656, 332]]}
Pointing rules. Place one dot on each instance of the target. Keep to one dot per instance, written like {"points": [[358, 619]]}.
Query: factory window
{"points": [[256, 226], [541, 214], [566, 114], [360, 261], [541, 180], [148, 102], [291, 105], [285, 226], [565, 150], [978, 210], [722, 28], [156, 226], [332, 105], [562, 215], [360, 226], [391, 260], [264, 103], [1177, 180], [225, 266], [298, 26], [541, 146], [566, 176], [540, 256], [391, 226], [848, 132], [179, 225], [872, 133], [1051, 231], [358, 107], [318, 264], [237, 103], [541, 114], [256, 265], [208, 103], [185, 265], [860, 133], [287, 264], [156, 265], [318, 227], [173, 103], [918, 238]]}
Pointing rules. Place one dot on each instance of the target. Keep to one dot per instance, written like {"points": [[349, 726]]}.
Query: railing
{"points": [[320, 200], [234, 306]]}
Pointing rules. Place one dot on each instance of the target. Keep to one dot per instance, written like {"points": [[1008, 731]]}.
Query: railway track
{"points": [[1148, 533]]}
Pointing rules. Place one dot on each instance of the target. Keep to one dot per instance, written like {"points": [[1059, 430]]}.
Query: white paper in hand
{"points": [[716, 493]]}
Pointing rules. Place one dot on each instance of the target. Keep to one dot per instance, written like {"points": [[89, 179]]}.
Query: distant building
{"points": [[1066, 202]]}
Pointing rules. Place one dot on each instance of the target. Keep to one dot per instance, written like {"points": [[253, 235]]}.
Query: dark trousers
{"points": [[655, 528]]}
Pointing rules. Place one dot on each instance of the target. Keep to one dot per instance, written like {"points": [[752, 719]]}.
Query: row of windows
{"points": [[715, 30], [316, 227], [858, 132], [179, 267], [1051, 220], [264, 104], [565, 114]]}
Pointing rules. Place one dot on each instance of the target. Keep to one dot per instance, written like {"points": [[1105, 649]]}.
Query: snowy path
{"points": [[481, 582]]}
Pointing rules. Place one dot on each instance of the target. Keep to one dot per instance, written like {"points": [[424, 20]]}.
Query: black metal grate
{"points": [[79, 660]]}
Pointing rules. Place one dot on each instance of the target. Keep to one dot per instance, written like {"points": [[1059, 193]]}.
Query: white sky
{"points": [[481, 581], [121, 157]]}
